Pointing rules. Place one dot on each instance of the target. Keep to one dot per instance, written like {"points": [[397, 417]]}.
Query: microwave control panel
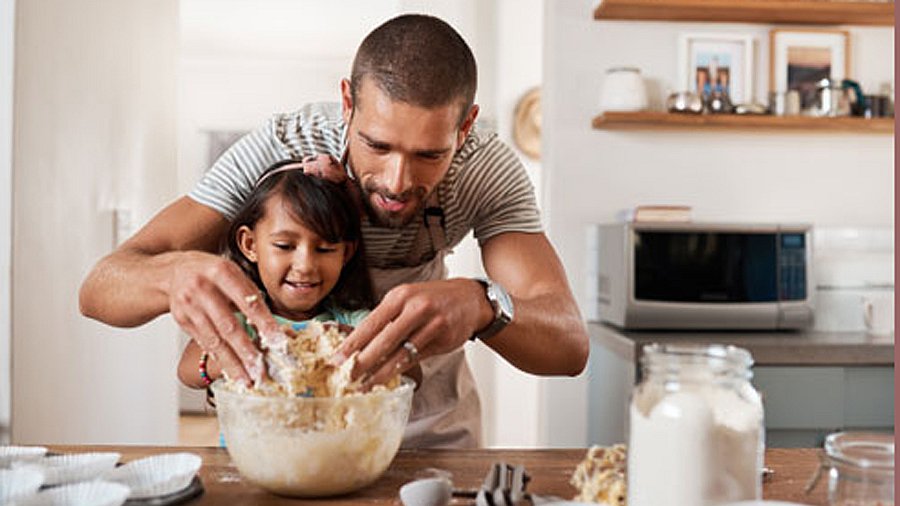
{"points": [[792, 267]]}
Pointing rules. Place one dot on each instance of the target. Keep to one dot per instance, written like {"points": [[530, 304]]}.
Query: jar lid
{"points": [[727, 353], [861, 449]]}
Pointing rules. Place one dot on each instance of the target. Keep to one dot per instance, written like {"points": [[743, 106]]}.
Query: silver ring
{"points": [[411, 351], [250, 299]]}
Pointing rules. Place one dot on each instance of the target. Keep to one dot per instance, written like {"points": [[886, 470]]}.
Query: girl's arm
{"points": [[189, 367]]}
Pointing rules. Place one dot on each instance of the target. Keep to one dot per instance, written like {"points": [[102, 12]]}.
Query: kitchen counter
{"points": [[549, 469], [786, 348], [812, 383]]}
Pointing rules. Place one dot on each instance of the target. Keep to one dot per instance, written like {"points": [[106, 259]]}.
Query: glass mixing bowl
{"points": [[313, 446]]}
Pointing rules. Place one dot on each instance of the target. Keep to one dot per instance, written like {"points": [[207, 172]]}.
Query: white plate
{"points": [[157, 475]]}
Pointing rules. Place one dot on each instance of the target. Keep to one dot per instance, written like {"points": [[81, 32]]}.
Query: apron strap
{"points": [[433, 222]]}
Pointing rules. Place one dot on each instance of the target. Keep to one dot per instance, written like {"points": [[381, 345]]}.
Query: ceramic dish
{"points": [[60, 469], [156, 476], [95, 493]]}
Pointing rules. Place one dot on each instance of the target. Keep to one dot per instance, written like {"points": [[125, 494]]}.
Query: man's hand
{"points": [[169, 266], [204, 291], [434, 317], [546, 336]]}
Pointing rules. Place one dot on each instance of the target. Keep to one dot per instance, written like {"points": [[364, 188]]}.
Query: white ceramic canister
{"points": [[623, 90], [695, 428]]}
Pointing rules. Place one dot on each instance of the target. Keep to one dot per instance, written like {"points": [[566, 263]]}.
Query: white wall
{"points": [[94, 132], [827, 179], [7, 54]]}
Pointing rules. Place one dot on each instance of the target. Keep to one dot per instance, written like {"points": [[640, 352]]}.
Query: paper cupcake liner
{"points": [[60, 469], [95, 493], [157, 475], [20, 482], [10, 454]]}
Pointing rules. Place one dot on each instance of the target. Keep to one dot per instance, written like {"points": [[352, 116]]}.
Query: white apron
{"points": [[446, 412]]}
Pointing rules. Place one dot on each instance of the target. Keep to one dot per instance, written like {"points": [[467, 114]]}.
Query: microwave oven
{"points": [[696, 275]]}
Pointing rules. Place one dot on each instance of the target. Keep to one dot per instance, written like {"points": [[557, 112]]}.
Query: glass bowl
{"points": [[313, 446]]}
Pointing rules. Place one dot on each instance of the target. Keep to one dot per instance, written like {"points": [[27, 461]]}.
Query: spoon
{"points": [[439, 492]]}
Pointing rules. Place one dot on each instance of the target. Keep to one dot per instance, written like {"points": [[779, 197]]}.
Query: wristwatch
{"points": [[502, 305]]}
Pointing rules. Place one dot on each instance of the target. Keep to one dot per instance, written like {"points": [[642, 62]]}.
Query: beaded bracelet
{"points": [[204, 375]]}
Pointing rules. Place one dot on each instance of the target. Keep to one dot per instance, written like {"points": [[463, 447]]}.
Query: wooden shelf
{"points": [[678, 121], [819, 12]]}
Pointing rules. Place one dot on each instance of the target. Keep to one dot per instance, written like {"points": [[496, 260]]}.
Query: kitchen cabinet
{"points": [[807, 12], [823, 12], [812, 383]]}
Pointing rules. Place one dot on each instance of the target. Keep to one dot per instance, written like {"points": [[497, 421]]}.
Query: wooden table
{"points": [[550, 471]]}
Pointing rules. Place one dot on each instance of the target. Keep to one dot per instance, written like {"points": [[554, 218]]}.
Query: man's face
{"points": [[399, 152]]}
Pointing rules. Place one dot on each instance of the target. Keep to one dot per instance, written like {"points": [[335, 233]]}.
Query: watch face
{"points": [[503, 299]]}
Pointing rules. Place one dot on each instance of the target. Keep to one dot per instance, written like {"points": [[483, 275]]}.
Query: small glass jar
{"points": [[695, 428], [860, 469]]}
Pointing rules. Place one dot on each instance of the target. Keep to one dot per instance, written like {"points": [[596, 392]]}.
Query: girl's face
{"points": [[297, 267]]}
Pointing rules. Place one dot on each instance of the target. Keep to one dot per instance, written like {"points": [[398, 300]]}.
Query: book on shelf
{"points": [[658, 213]]}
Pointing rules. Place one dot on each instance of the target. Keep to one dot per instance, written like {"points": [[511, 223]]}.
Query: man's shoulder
{"points": [[310, 118], [483, 158], [476, 143]]}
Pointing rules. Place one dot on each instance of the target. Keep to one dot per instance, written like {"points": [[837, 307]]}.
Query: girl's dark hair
{"points": [[322, 206]]}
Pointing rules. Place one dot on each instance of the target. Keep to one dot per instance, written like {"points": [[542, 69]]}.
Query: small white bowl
{"points": [[157, 475], [763, 503], [10, 454], [95, 493], [70, 468], [20, 482], [427, 492]]}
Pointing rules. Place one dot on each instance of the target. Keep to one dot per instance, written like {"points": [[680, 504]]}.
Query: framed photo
{"points": [[721, 62], [800, 58]]}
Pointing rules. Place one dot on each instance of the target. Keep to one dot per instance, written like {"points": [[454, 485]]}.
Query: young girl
{"points": [[298, 238]]}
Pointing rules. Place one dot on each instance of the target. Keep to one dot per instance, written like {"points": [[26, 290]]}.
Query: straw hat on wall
{"points": [[527, 123]]}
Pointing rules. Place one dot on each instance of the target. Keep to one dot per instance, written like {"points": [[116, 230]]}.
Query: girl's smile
{"points": [[298, 267]]}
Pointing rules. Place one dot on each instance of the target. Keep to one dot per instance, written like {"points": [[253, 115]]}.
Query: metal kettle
{"points": [[834, 98]]}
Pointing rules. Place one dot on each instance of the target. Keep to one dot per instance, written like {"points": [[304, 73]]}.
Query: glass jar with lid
{"points": [[695, 427], [860, 469]]}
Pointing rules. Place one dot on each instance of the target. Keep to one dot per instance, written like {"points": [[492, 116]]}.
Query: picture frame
{"points": [[728, 56], [798, 58]]}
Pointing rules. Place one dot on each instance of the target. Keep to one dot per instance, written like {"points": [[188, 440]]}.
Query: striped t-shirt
{"points": [[486, 188]]}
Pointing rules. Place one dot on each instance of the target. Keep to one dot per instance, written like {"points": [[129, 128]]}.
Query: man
{"points": [[404, 134]]}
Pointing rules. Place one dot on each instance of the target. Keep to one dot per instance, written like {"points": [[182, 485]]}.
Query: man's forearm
{"points": [[547, 336], [127, 288]]}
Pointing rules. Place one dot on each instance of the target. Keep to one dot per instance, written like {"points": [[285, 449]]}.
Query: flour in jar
{"points": [[698, 445]]}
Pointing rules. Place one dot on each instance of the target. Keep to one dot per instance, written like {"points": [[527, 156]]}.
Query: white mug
{"points": [[878, 314]]}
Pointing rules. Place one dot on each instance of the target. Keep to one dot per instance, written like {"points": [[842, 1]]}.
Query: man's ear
{"points": [[349, 250], [466, 125], [246, 241], [346, 100]]}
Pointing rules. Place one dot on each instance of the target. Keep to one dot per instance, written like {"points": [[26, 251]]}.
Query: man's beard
{"points": [[382, 218]]}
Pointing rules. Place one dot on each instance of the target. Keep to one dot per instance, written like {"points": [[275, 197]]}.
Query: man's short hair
{"points": [[417, 59]]}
